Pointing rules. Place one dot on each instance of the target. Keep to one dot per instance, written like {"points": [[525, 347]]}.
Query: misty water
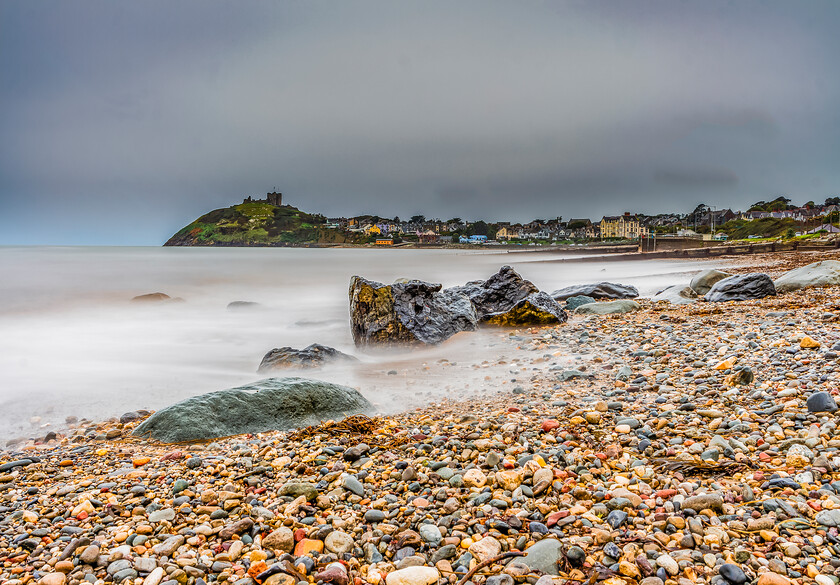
{"points": [[73, 344]]}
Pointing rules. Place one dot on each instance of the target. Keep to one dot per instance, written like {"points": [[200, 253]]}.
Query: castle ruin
{"points": [[272, 198]]}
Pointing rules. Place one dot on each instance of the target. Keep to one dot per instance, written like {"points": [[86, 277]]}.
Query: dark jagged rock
{"points": [[535, 309], [407, 312], [742, 287], [600, 290], [821, 402], [415, 311], [270, 404], [312, 356], [499, 293]]}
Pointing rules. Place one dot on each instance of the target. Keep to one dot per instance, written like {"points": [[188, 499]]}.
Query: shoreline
{"points": [[644, 458]]}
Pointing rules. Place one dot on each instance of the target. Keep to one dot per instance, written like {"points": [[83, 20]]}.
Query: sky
{"points": [[121, 122]]}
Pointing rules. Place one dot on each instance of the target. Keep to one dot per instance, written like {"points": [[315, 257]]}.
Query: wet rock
{"points": [[311, 356], [151, 298], [676, 295], [407, 312], [413, 576], [573, 303], [282, 539], [543, 556], [273, 403], [702, 502], [733, 574], [704, 280], [608, 308], [824, 273], [600, 290], [741, 288]]}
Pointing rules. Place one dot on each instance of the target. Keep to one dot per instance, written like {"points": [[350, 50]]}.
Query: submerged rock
{"points": [[676, 295], [243, 306], [155, 297], [600, 290], [705, 280], [825, 273], [608, 307], [312, 356], [270, 404], [742, 287]]}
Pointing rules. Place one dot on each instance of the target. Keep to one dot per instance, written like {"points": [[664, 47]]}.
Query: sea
{"points": [[72, 344]]}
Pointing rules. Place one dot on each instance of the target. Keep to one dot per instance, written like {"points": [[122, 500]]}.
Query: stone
{"points": [[413, 576], [430, 534], [238, 527], [733, 574], [486, 548], [608, 308], [821, 402], [600, 290], [799, 456], [243, 306], [830, 518], [824, 273], [270, 404], [742, 287], [573, 303], [296, 489], [808, 343], [474, 478], [676, 295], [167, 514], [338, 542], [772, 579], [704, 280], [508, 299], [90, 555], [168, 546], [668, 563], [543, 556], [712, 502], [311, 356], [281, 539], [56, 578]]}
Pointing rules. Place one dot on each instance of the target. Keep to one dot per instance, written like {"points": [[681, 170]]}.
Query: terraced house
{"points": [[622, 226]]}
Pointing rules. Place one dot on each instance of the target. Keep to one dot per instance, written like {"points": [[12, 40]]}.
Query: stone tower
{"points": [[274, 198]]}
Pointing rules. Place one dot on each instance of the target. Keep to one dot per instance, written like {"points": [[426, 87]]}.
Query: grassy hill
{"points": [[259, 224]]}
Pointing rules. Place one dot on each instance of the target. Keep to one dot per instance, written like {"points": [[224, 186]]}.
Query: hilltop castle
{"points": [[272, 198]]}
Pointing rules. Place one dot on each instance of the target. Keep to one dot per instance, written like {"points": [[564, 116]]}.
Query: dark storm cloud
{"points": [[120, 122]]}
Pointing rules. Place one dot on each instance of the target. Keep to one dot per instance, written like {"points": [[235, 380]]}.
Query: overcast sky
{"points": [[120, 122]]}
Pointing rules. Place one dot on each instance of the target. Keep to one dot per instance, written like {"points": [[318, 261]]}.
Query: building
{"points": [[427, 237], [505, 233], [272, 198], [625, 227], [478, 239], [384, 242]]}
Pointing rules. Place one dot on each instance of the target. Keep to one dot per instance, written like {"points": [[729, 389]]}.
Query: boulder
{"points": [[498, 294], [703, 281], [742, 287], [312, 356], [600, 290], [825, 273], [573, 303], [608, 308], [535, 309], [270, 404], [676, 295], [413, 312]]}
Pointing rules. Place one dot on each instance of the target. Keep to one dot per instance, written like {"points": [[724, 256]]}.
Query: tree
{"points": [[454, 220], [479, 228], [758, 206], [809, 205], [418, 219], [576, 225], [832, 201]]}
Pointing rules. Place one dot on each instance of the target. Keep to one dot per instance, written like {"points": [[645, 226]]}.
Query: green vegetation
{"points": [[260, 224], [768, 227]]}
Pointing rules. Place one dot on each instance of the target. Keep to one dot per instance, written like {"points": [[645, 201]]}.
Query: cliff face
{"points": [[258, 224]]}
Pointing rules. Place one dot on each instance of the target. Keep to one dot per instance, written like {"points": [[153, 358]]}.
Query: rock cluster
{"points": [[417, 312]]}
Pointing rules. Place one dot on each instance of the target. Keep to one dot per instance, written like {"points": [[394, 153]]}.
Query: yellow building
{"points": [[384, 242], [373, 230], [625, 226], [504, 234]]}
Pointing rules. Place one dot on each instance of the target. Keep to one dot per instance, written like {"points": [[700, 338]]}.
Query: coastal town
{"points": [[763, 219]]}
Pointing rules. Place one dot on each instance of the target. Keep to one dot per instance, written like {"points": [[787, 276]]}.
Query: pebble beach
{"points": [[671, 445]]}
